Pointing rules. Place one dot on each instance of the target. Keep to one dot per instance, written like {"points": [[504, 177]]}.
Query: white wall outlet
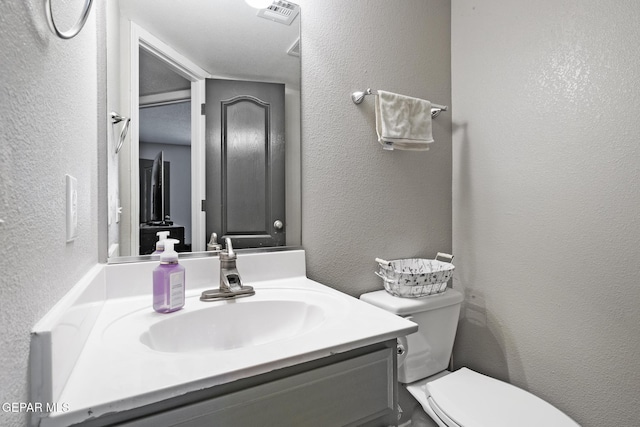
{"points": [[72, 207]]}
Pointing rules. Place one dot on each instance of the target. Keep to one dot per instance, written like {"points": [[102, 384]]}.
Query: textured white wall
{"points": [[358, 201], [546, 192], [48, 128]]}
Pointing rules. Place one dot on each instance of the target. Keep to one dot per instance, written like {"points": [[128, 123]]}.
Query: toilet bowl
{"points": [[463, 398]]}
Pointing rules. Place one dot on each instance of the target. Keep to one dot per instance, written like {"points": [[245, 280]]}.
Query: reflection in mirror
{"points": [[213, 92]]}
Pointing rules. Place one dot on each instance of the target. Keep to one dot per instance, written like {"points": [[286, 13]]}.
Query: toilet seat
{"points": [[468, 399]]}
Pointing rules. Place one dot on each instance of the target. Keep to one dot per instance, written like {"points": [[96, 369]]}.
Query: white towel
{"points": [[403, 122]]}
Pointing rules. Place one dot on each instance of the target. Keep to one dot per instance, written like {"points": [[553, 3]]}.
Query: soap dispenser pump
{"points": [[168, 281], [162, 236]]}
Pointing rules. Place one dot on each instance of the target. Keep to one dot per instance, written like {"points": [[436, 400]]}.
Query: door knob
{"points": [[278, 224]]}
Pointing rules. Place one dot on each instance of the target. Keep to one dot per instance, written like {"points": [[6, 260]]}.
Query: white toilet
{"points": [[463, 398]]}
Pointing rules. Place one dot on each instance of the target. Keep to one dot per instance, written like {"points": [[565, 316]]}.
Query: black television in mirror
{"points": [[154, 191]]}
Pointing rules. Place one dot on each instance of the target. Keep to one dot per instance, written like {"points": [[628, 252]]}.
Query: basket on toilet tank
{"points": [[415, 277]]}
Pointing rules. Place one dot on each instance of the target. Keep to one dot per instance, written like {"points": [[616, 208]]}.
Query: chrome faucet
{"points": [[230, 282], [229, 277]]}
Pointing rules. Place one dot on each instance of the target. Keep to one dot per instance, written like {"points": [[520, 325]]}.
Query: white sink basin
{"points": [[269, 316], [233, 325]]}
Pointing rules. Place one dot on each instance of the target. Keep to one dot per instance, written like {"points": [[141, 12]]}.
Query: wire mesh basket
{"points": [[415, 277]]}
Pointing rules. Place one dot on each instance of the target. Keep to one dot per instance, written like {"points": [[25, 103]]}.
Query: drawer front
{"points": [[351, 392]]}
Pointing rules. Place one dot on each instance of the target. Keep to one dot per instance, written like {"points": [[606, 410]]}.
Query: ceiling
{"points": [[156, 77], [224, 37], [166, 124]]}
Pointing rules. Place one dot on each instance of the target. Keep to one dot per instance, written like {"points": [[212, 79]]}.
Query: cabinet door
{"points": [[351, 392]]}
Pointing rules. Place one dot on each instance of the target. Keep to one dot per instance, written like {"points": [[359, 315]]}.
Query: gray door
{"points": [[245, 162]]}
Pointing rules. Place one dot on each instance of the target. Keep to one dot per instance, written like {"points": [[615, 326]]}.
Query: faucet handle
{"points": [[229, 254], [213, 244]]}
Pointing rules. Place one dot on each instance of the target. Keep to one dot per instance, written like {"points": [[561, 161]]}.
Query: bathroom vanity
{"points": [[295, 353], [353, 388]]}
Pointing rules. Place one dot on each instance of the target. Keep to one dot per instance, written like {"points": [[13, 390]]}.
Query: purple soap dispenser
{"points": [[168, 281]]}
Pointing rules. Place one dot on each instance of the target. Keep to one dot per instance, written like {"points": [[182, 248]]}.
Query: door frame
{"points": [[140, 38]]}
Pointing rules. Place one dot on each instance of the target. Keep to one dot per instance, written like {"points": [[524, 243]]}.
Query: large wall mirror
{"points": [[212, 91]]}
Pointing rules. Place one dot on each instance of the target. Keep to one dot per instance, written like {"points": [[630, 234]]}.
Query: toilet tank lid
{"points": [[473, 399], [407, 306]]}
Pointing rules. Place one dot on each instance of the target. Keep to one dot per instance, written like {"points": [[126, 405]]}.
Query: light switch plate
{"points": [[72, 207]]}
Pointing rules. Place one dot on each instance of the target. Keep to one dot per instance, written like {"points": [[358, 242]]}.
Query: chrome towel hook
{"points": [[76, 28], [117, 118]]}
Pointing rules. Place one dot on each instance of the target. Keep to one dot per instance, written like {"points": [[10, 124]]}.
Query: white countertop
{"points": [[116, 372]]}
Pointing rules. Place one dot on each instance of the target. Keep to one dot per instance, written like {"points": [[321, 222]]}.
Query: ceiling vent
{"points": [[280, 11]]}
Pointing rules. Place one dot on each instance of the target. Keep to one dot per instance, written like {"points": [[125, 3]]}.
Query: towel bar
{"points": [[117, 118], [358, 97]]}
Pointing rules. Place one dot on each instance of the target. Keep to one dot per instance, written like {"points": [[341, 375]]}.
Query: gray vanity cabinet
{"points": [[347, 389]]}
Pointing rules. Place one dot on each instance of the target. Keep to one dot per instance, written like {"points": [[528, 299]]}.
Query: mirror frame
{"points": [[140, 38]]}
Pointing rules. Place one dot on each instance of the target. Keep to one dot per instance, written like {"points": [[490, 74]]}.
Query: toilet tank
{"points": [[426, 352]]}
